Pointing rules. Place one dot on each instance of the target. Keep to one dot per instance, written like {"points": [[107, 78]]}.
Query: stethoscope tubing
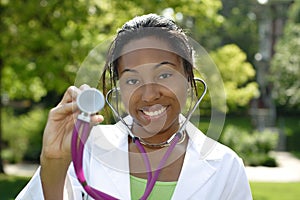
{"points": [[153, 180], [77, 147]]}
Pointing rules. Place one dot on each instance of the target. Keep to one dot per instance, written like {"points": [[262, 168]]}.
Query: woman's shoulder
{"points": [[210, 149]]}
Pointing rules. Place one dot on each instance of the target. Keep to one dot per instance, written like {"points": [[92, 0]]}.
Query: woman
{"points": [[152, 63]]}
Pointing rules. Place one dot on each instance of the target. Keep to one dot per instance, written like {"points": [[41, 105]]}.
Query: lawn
{"points": [[275, 191], [10, 186]]}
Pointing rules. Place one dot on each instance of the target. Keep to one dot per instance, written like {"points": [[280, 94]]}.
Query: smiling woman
{"points": [[147, 78], [153, 152]]}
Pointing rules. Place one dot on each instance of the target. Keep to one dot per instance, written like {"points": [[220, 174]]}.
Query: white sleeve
{"points": [[33, 190], [240, 188]]}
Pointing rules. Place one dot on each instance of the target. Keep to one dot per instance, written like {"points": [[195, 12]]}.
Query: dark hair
{"points": [[143, 26]]}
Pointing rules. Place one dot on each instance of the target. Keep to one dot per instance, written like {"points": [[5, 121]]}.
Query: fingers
{"points": [[72, 93], [96, 119], [84, 87], [66, 108]]}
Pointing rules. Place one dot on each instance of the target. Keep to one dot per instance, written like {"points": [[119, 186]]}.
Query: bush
{"points": [[22, 134], [253, 147]]}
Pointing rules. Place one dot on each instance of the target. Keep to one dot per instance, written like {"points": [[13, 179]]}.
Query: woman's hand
{"points": [[60, 124], [56, 150]]}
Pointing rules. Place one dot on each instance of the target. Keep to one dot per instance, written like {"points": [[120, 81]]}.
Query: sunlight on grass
{"points": [[275, 191]]}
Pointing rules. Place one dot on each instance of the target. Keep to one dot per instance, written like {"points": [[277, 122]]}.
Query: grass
{"points": [[275, 191], [10, 186]]}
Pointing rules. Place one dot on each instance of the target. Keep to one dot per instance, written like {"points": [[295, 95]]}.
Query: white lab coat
{"points": [[210, 170]]}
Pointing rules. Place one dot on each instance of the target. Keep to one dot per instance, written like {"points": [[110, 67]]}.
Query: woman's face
{"points": [[153, 84]]}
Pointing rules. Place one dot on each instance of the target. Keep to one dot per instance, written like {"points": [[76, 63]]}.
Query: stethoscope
{"points": [[91, 101]]}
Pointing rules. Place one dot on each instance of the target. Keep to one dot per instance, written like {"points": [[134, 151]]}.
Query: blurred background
{"points": [[254, 43]]}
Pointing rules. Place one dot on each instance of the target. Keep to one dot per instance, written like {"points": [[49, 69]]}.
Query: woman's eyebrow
{"points": [[155, 66], [128, 70], [164, 63]]}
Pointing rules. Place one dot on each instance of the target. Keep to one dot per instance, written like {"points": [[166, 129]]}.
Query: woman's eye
{"points": [[165, 75], [132, 81]]}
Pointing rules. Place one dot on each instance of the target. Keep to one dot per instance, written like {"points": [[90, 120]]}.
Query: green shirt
{"points": [[161, 190]]}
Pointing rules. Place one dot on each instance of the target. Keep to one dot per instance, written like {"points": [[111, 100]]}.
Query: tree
{"points": [[240, 26], [285, 65], [42, 46], [238, 76], [39, 47], [44, 42], [1, 163]]}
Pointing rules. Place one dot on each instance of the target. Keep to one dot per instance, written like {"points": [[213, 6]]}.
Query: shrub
{"points": [[253, 147], [22, 134]]}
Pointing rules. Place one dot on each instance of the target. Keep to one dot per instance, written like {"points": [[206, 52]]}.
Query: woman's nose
{"points": [[150, 92]]}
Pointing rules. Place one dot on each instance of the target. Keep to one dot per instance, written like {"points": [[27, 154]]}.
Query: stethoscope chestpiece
{"points": [[89, 102]]}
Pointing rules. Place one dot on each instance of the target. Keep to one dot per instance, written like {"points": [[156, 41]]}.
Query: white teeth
{"points": [[155, 113]]}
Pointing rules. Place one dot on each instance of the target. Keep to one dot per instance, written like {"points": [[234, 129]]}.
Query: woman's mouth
{"points": [[154, 111]]}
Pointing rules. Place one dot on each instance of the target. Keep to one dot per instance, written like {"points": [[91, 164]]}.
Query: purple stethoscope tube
{"points": [[91, 101]]}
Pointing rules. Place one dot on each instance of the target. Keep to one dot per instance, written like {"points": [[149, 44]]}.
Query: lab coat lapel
{"points": [[194, 174], [196, 170]]}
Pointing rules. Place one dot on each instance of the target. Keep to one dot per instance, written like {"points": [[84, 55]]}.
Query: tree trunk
{"points": [[1, 162]]}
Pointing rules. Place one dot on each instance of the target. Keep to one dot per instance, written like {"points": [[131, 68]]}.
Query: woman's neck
{"points": [[171, 169], [154, 137]]}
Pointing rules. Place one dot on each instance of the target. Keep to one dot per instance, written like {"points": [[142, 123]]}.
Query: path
{"points": [[287, 171]]}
